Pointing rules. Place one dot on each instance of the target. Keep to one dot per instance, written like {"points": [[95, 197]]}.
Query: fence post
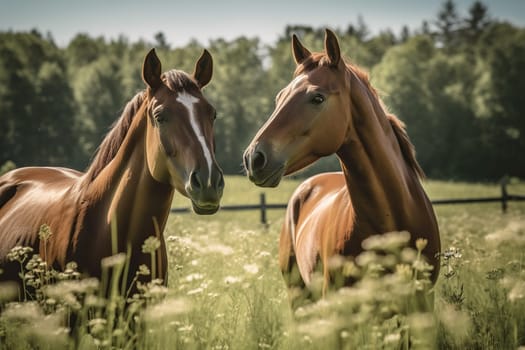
{"points": [[263, 208], [504, 195]]}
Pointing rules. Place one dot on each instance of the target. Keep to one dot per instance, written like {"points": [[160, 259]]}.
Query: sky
{"points": [[203, 20]]}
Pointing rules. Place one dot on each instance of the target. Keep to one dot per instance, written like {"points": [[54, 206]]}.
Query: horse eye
{"points": [[214, 115], [318, 99], [159, 118]]}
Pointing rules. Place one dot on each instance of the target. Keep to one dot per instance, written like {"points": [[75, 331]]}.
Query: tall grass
{"points": [[226, 292]]}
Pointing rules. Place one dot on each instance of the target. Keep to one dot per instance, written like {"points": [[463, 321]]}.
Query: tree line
{"points": [[457, 83]]}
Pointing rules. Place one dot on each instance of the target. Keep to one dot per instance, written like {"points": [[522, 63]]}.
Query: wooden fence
{"points": [[264, 206]]}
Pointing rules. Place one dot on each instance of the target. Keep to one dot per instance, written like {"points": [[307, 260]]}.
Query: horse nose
{"points": [[196, 182], [206, 186], [201, 181]]}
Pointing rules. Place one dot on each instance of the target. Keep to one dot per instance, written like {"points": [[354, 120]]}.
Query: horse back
{"points": [[31, 197]]}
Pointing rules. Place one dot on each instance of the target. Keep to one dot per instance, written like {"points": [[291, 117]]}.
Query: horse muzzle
{"points": [[205, 190], [262, 167]]}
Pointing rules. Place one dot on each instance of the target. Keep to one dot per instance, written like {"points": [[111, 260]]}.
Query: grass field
{"points": [[226, 292]]}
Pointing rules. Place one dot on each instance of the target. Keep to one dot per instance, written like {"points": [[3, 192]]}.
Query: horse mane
{"points": [[175, 80], [406, 146], [114, 138], [320, 59]]}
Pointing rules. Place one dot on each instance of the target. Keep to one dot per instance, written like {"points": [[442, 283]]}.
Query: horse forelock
{"points": [[177, 80]]}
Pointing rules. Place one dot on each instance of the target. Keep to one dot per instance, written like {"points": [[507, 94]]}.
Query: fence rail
{"points": [[263, 206]]}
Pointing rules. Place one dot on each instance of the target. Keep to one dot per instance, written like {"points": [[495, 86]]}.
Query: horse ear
{"points": [[300, 53], [203, 69], [151, 70], [331, 46]]}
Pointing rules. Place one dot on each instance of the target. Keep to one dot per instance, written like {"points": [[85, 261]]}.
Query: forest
{"points": [[456, 81]]}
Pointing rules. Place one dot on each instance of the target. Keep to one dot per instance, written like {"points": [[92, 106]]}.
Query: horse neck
{"points": [[384, 188], [124, 191]]}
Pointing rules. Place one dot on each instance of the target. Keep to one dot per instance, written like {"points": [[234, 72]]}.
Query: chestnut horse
{"points": [[330, 107], [162, 142]]}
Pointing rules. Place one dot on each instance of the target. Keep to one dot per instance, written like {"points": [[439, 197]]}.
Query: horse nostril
{"points": [[258, 160], [246, 161], [195, 181], [220, 183]]}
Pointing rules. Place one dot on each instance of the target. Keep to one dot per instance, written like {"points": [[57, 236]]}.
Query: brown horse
{"points": [[330, 107], [163, 141]]}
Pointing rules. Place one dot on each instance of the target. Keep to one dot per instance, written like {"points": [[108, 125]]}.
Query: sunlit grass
{"points": [[226, 291]]}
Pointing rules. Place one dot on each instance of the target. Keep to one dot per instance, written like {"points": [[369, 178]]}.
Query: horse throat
{"points": [[125, 197]]}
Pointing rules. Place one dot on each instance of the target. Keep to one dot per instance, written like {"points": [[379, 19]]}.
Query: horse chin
{"points": [[272, 180], [205, 210]]}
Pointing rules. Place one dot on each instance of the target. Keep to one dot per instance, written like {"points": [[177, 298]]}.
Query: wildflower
{"points": [[264, 254], [22, 312], [194, 277], [392, 338], [172, 238], [391, 241], [168, 309], [219, 248], [231, 279], [97, 326], [404, 271], [44, 232], [421, 243], [457, 323], [451, 253], [19, 253], [517, 292], [195, 291], [143, 270], [59, 290], [350, 269], [421, 321], [154, 289], [151, 244], [251, 268], [71, 267], [113, 261], [118, 333], [422, 266], [187, 328], [408, 255], [318, 328], [35, 265], [94, 301]]}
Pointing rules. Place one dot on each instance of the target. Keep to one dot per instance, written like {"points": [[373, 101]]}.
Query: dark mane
{"points": [[320, 59], [111, 143], [407, 148]]}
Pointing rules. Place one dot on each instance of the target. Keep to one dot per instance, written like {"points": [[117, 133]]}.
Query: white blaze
{"points": [[188, 100]]}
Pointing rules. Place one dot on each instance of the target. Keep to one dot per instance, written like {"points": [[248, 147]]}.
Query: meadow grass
{"points": [[226, 291]]}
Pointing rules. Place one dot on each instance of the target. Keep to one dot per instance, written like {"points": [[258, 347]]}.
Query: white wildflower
{"points": [[251, 268]]}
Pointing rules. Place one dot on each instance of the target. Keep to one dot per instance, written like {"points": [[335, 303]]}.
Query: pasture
{"points": [[226, 291]]}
